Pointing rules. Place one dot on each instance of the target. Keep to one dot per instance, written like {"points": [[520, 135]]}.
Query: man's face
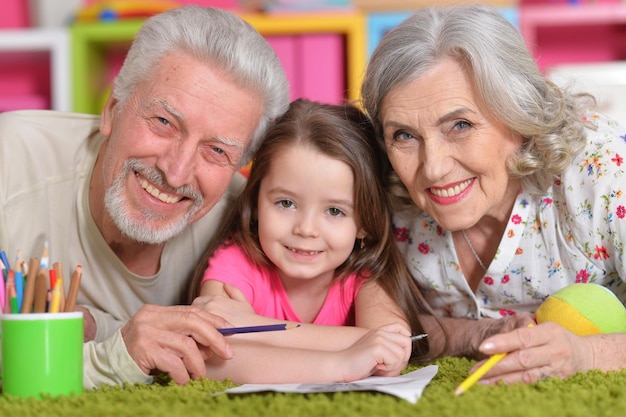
{"points": [[172, 148]]}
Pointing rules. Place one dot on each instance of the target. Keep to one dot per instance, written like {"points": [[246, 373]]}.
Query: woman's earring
{"points": [[362, 244]]}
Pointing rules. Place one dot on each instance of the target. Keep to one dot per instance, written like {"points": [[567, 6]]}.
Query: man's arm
{"points": [[108, 363], [176, 340]]}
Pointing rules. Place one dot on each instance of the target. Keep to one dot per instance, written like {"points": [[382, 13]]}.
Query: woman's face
{"points": [[447, 150]]}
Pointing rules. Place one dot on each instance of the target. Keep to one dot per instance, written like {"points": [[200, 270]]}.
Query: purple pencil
{"points": [[255, 329]]}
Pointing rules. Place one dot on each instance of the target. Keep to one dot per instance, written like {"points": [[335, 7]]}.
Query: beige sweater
{"points": [[46, 159]]}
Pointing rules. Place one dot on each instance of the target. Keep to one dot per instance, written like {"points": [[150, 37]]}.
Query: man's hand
{"points": [[176, 340]]}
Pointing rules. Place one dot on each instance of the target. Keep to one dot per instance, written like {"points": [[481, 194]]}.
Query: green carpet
{"points": [[592, 394]]}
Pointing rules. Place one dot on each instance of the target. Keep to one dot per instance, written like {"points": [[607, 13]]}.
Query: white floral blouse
{"points": [[574, 233]]}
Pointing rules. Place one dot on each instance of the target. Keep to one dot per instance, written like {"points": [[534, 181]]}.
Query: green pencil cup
{"points": [[42, 354]]}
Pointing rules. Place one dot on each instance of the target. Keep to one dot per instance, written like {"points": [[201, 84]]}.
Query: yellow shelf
{"points": [[91, 42]]}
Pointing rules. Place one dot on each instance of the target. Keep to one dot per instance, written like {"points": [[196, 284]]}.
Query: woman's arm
{"points": [[450, 336]]}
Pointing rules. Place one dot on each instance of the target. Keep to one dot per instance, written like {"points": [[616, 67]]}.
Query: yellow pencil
{"points": [[473, 378], [58, 267], [480, 372], [56, 296]]}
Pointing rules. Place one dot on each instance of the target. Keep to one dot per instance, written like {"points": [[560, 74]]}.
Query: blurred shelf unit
{"points": [[323, 54], [35, 69], [379, 23], [563, 34]]}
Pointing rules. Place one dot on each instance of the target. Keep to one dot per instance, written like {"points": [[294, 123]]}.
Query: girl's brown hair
{"points": [[345, 134]]}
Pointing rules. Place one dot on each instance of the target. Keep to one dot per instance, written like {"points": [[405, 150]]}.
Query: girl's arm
{"points": [[228, 302], [310, 353], [374, 308], [378, 352]]}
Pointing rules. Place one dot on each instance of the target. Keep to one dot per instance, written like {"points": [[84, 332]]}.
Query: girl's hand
{"points": [[228, 302], [545, 350], [384, 351]]}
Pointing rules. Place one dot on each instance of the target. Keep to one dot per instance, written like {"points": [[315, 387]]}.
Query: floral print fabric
{"points": [[574, 233]]}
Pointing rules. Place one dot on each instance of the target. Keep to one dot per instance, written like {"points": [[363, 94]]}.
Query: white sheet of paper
{"points": [[408, 386]]}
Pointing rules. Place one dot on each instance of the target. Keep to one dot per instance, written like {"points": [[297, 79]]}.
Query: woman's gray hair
{"points": [[218, 38], [505, 76]]}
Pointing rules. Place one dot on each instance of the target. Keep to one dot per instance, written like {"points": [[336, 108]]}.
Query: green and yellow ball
{"points": [[584, 309]]}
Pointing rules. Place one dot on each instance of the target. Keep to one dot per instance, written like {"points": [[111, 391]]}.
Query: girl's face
{"points": [[449, 153], [306, 215]]}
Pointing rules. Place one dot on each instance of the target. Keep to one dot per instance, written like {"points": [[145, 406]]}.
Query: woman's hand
{"points": [[384, 351], [546, 350], [491, 327]]}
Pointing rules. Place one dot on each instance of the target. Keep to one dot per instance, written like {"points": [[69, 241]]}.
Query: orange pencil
{"points": [[77, 275]]}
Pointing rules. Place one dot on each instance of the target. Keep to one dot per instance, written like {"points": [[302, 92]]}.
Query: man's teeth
{"points": [[153, 191]]}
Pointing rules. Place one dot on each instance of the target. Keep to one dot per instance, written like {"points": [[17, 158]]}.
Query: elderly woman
{"points": [[506, 187]]}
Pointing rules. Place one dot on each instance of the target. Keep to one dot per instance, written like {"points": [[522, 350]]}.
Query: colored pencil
{"points": [[58, 267], [19, 263], [18, 279], [12, 299], [29, 292], [418, 337], [56, 296], [5, 260], [2, 288], [52, 273], [45, 260], [70, 303], [41, 291], [256, 329], [480, 372]]}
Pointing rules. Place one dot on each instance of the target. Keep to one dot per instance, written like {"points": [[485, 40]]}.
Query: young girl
{"points": [[310, 241]]}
